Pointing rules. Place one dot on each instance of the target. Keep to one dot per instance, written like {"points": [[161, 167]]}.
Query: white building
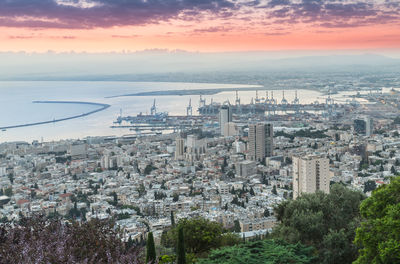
{"points": [[3, 171], [195, 147], [225, 116], [310, 174], [180, 148], [261, 141], [223, 188], [239, 146]]}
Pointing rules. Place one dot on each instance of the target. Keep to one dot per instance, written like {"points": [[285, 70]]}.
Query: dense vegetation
{"points": [[379, 233], [37, 240], [302, 133], [200, 236], [326, 222], [261, 252], [340, 227]]}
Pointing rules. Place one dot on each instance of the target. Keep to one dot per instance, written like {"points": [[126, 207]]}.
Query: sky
{"points": [[199, 25]]}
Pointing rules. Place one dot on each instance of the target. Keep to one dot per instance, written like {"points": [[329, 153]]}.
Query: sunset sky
{"points": [[198, 25]]}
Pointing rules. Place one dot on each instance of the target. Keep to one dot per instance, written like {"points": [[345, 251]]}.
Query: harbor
{"points": [[266, 108]]}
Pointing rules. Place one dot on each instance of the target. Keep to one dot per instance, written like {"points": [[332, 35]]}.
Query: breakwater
{"points": [[101, 107]]}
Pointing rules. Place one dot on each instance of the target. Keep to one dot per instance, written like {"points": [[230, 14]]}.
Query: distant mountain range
{"points": [[83, 66]]}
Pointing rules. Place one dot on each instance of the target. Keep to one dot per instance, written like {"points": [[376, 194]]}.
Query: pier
{"points": [[268, 105]]}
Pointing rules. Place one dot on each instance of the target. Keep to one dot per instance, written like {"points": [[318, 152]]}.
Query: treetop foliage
{"points": [[261, 252], [200, 235], [325, 221], [379, 234], [39, 240]]}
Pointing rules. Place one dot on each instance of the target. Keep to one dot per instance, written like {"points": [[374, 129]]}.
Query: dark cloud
{"points": [[108, 13], [275, 3], [333, 13], [102, 13]]}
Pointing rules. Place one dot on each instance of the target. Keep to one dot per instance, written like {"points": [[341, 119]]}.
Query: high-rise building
{"points": [[364, 126], [230, 129], [359, 126], [310, 174], [369, 126], [225, 116], [195, 147], [261, 141], [180, 148]]}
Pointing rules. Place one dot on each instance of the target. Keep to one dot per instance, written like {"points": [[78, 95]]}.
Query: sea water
{"points": [[16, 105]]}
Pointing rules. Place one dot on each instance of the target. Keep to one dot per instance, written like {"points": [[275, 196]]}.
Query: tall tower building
{"points": [[195, 148], [261, 141], [225, 116], [369, 126], [180, 148], [310, 174], [364, 126]]}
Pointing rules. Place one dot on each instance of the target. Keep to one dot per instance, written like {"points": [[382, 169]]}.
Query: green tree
{"points": [[261, 252], [369, 186], [8, 192], [230, 239], [115, 198], [266, 212], [172, 219], [379, 234], [252, 191], [237, 227], [181, 253], [141, 190], [166, 259], [130, 242], [393, 170], [175, 197], [325, 221], [11, 178], [150, 249], [200, 235], [274, 190], [148, 169]]}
